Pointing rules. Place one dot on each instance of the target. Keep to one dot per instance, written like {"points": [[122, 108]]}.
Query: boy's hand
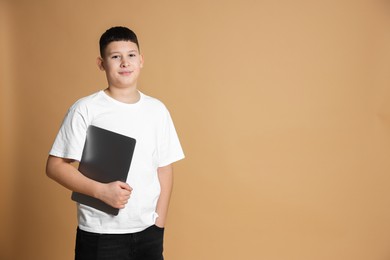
{"points": [[160, 222], [116, 194]]}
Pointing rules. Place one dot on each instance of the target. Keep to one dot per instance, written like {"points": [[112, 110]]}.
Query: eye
{"points": [[132, 55], [115, 57]]}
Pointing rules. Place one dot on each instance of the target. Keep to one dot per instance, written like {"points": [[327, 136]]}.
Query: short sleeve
{"points": [[169, 147], [70, 139]]}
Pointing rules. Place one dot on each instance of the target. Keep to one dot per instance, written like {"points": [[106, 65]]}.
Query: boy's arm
{"points": [[165, 176], [115, 194]]}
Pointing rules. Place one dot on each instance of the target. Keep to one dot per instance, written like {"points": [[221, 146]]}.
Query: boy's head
{"points": [[117, 33], [120, 58]]}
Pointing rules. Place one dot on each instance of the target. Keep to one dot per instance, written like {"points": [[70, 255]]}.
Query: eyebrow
{"points": [[114, 52]]}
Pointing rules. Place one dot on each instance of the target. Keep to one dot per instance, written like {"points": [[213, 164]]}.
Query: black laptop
{"points": [[106, 158]]}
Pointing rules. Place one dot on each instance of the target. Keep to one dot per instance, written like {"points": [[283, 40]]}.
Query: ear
{"points": [[141, 57], [100, 63]]}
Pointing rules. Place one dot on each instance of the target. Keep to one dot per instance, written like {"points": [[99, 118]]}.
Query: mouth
{"points": [[125, 73]]}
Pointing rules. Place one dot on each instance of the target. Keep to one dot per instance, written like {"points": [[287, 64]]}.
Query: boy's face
{"points": [[122, 63]]}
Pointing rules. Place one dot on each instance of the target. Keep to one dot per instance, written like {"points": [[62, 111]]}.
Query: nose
{"points": [[124, 63]]}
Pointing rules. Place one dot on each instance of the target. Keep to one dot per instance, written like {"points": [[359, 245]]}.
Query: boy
{"points": [[137, 231]]}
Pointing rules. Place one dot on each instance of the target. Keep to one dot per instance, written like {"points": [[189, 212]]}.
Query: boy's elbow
{"points": [[49, 167]]}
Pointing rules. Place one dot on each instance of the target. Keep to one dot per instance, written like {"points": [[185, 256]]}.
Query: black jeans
{"points": [[144, 245]]}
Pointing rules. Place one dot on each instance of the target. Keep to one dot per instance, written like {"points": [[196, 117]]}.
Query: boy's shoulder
{"points": [[152, 101], [85, 101], [153, 107]]}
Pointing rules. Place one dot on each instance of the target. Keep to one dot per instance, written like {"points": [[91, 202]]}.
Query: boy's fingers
{"points": [[125, 186]]}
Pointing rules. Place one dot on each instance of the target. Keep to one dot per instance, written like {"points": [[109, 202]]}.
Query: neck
{"points": [[129, 96]]}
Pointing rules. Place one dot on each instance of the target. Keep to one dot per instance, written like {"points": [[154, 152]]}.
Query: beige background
{"points": [[282, 108]]}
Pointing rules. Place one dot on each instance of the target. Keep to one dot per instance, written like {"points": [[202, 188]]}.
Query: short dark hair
{"points": [[117, 33]]}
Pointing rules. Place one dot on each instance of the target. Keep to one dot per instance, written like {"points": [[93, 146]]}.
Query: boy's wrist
{"points": [[97, 190]]}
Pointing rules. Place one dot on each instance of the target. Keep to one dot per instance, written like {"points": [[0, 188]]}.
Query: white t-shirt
{"points": [[149, 122]]}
